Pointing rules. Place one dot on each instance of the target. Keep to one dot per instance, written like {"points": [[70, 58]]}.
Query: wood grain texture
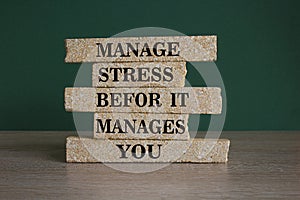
{"points": [[262, 165]]}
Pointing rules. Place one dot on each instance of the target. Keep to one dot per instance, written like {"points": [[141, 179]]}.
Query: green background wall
{"points": [[258, 50]]}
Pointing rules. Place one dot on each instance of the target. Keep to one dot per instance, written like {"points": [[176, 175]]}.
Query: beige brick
{"points": [[141, 126], [196, 151], [197, 100], [177, 48], [139, 74]]}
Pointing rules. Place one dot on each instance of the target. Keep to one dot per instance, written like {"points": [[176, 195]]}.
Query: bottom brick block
{"points": [[88, 150]]}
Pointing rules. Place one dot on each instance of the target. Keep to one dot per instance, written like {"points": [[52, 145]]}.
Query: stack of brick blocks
{"points": [[139, 101]]}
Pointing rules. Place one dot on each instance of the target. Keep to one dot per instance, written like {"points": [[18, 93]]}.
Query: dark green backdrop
{"points": [[258, 43]]}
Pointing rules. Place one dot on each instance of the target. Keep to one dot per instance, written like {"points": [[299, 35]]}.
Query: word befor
{"points": [[140, 99]]}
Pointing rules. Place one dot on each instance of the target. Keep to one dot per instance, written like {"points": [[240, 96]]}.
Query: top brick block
{"points": [[146, 49]]}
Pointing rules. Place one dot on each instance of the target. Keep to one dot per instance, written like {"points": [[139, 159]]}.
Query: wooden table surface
{"points": [[262, 165]]}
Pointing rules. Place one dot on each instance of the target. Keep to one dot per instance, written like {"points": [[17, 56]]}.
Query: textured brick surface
{"points": [[97, 150], [198, 100], [178, 48], [139, 74], [141, 126]]}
